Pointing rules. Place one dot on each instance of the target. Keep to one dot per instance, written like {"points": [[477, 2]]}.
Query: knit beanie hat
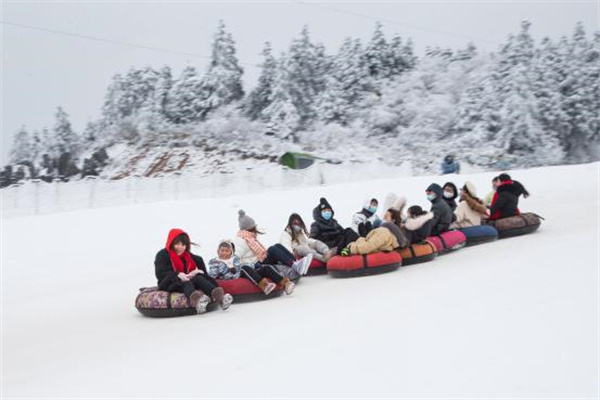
{"points": [[323, 204], [470, 188], [246, 223], [435, 188]]}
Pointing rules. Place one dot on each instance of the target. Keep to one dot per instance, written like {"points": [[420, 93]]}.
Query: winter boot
{"points": [[227, 300], [266, 286], [306, 263], [199, 301], [219, 296], [288, 285]]}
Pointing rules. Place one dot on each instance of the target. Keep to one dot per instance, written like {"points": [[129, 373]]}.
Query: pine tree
{"points": [[21, 150], [346, 85], [222, 83], [185, 103], [281, 114], [376, 54], [260, 97], [65, 140], [307, 67]]}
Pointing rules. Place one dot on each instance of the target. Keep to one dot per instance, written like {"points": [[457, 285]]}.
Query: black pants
{"points": [[198, 282], [278, 254], [264, 271], [348, 236]]}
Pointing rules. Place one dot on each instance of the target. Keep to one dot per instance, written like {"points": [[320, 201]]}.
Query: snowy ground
{"points": [[515, 318]]}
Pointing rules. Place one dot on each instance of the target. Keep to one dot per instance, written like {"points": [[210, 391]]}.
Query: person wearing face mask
{"points": [[295, 238], [442, 214], [365, 220], [388, 237], [326, 229], [449, 194], [178, 270]]}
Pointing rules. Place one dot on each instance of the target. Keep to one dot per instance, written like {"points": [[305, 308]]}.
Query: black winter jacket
{"points": [[442, 216], [328, 232], [166, 275], [507, 202]]}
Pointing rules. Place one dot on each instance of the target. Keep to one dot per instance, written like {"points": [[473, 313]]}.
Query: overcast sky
{"points": [[42, 70]]}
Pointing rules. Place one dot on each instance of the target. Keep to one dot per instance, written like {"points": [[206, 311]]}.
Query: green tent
{"points": [[298, 160]]}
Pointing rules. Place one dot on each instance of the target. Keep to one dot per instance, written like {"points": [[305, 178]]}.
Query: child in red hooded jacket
{"points": [[178, 270]]}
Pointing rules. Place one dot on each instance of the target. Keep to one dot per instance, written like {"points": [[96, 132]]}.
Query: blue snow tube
{"points": [[480, 234]]}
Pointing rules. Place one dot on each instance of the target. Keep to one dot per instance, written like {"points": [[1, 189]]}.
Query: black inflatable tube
{"points": [[475, 240], [351, 273], [418, 260], [517, 231], [317, 271], [173, 312]]}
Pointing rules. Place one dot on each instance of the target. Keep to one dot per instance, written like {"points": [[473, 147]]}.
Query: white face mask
{"points": [[448, 195], [297, 228]]}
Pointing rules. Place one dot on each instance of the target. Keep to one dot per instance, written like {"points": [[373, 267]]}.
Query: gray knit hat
{"points": [[246, 223]]}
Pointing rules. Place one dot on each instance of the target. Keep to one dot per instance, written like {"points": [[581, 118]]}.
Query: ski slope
{"points": [[516, 318]]}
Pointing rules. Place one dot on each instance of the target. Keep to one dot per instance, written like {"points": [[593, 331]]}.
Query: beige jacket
{"points": [[468, 213]]}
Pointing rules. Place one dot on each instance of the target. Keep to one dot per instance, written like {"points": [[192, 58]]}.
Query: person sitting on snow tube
{"points": [[326, 229], [490, 196], [253, 254], [295, 239], [450, 193], [506, 201], [178, 270], [388, 237], [365, 220], [228, 266], [418, 224], [470, 209], [442, 214]]}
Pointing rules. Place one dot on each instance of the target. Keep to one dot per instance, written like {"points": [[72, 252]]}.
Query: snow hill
{"points": [[514, 318]]}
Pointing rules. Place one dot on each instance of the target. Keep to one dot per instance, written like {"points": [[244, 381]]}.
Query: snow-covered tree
{"points": [[185, 103], [21, 150], [222, 82], [63, 138], [281, 114], [260, 97]]}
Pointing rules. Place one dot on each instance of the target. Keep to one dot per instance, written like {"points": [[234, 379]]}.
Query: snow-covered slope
{"points": [[514, 318]]}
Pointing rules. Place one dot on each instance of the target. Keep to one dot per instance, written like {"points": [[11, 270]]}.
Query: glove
{"points": [[194, 273], [183, 277], [233, 270], [345, 252]]}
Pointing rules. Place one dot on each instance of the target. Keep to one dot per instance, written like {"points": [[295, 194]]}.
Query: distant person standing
{"points": [[450, 165]]}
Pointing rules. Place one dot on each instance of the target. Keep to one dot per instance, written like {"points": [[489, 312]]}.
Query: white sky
{"points": [[42, 70]]}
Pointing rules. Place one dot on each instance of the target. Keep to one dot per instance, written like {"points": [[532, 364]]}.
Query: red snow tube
{"points": [[448, 241], [243, 290], [360, 265], [317, 267]]}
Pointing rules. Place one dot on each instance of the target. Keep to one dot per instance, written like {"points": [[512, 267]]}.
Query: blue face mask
{"points": [[326, 215], [431, 197], [373, 209]]}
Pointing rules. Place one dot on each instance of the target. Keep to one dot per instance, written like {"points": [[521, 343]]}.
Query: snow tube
{"points": [[479, 234], [242, 290], [418, 253], [517, 225], [448, 241], [317, 267], [152, 302], [361, 265]]}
